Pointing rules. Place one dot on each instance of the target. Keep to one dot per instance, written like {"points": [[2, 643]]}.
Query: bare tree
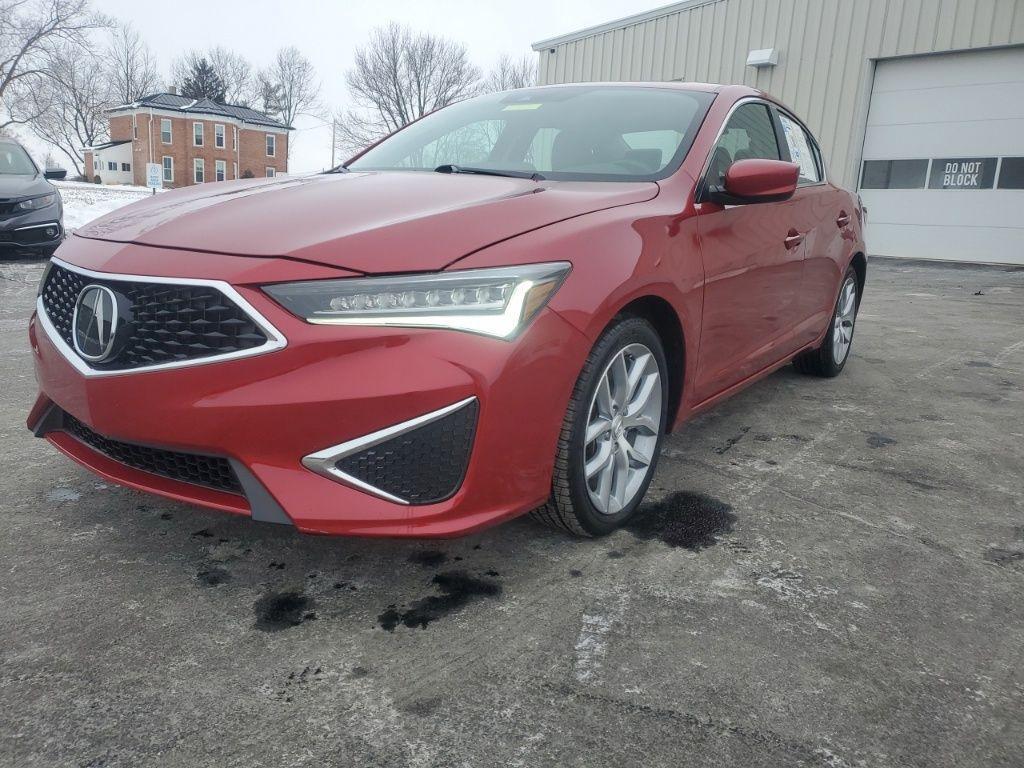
{"points": [[293, 81], [30, 32], [510, 73], [130, 66], [236, 72], [289, 87], [398, 77], [70, 105]]}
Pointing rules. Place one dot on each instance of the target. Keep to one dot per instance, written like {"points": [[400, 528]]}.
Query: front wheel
{"points": [[611, 433], [830, 358]]}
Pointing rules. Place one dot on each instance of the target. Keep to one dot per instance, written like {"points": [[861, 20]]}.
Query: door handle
{"points": [[793, 239], [843, 219]]}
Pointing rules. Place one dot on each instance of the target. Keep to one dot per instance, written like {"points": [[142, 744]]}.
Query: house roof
{"points": [[109, 144], [176, 103]]}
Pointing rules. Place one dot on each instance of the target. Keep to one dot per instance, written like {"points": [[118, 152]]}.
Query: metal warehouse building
{"points": [[918, 104]]}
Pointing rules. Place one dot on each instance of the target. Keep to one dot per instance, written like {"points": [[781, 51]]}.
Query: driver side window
{"points": [[749, 134]]}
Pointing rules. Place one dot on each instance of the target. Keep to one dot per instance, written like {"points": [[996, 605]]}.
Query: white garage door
{"points": [[943, 171]]}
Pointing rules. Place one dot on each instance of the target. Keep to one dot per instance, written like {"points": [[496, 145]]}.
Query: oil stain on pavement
{"points": [[458, 589], [276, 611], [692, 521]]}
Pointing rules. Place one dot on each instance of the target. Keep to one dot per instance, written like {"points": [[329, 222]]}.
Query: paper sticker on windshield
{"points": [[517, 107]]}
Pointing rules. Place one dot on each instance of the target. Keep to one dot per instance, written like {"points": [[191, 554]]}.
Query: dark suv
{"points": [[31, 211]]}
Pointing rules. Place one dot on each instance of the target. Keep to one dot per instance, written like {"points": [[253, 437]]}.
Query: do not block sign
{"points": [[962, 173]]}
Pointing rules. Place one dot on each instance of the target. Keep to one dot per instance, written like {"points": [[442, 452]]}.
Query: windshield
{"points": [[14, 161], [593, 133]]}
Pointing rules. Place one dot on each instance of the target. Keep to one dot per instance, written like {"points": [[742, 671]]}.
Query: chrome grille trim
{"points": [[275, 339]]}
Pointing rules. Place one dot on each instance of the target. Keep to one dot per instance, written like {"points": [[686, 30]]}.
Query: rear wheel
{"points": [[612, 432], [830, 358]]}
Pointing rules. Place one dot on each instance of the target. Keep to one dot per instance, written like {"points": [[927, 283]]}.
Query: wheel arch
{"points": [[663, 316], [859, 262]]}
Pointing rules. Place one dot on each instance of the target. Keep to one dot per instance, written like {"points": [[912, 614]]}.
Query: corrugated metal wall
{"points": [[826, 51]]}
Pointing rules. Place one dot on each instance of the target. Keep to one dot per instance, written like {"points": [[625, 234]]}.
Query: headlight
{"points": [[35, 203], [496, 302]]}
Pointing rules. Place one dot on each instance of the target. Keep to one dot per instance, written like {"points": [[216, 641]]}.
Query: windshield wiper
{"points": [[452, 168]]}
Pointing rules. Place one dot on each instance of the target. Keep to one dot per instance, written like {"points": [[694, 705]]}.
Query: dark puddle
{"points": [[211, 577], [878, 440], [458, 590], [276, 611], [428, 558], [689, 520], [1001, 556]]}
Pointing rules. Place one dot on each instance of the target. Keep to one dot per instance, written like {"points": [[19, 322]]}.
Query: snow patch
{"points": [[59, 495], [84, 202]]}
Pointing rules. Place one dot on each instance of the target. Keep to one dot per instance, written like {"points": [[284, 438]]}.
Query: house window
{"points": [[218, 136], [234, 138], [95, 164], [169, 168], [111, 166], [198, 170], [271, 172], [126, 167], [220, 170], [234, 170], [165, 131], [271, 145], [197, 134]]}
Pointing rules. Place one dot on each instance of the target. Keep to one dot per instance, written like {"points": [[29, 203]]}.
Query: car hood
{"points": [[23, 186], [372, 222]]}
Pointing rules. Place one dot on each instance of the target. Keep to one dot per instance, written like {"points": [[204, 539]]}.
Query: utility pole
{"points": [[334, 138]]}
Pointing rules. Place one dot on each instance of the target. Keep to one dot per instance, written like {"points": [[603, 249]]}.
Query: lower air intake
{"points": [[423, 465], [210, 471]]}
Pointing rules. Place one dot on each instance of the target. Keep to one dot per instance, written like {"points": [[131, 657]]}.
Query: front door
{"points": [[753, 265]]}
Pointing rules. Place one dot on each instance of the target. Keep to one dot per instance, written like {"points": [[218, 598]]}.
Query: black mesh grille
{"points": [[168, 322], [421, 466], [210, 471]]}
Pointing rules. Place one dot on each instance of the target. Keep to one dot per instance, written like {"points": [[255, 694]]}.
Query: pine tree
{"points": [[203, 82]]}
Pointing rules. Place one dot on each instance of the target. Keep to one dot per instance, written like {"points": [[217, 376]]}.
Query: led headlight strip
{"points": [[496, 302]]}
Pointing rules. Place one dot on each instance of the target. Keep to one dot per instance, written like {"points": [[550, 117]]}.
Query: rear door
{"points": [[822, 214], [752, 263]]}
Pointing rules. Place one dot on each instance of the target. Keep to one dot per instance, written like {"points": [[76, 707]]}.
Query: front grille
{"points": [[421, 466], [167, 322], [209, 471]]}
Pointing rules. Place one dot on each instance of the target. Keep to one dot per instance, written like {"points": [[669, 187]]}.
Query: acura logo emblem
{"points": [[94, 325]]}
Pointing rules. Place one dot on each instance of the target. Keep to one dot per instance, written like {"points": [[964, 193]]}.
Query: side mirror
{"points": [[55, 173], [757, 181]]}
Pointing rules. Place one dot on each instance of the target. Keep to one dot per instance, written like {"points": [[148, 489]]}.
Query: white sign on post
{"points": [[154, 176]]}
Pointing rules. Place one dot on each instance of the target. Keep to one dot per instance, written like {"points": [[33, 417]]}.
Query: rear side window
{"points": [[749, 135], [801, 150]]}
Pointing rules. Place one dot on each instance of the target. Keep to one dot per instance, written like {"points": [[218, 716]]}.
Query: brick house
{"points": [[195, 141]]}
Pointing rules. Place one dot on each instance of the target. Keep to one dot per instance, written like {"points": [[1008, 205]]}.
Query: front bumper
{"points": [[18, 239], [328, 387]]}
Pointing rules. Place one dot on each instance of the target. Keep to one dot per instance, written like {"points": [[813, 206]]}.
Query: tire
{"points": [[574, 505], [823, 360]]}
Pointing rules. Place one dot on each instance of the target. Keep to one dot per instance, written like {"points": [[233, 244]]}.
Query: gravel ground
{"points": [[828, 573]]}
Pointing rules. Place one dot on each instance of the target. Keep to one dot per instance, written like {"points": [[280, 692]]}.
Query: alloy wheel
{"points": [[842, 325], [623, 424]]}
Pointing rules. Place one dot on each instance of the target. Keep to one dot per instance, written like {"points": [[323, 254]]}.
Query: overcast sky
{"points": [[328, 32]]}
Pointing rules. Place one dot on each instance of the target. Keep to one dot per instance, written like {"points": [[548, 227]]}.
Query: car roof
{"points": [[662, 84]]}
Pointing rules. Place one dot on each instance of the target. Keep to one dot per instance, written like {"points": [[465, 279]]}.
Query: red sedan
{"points": [[501, 308]]}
